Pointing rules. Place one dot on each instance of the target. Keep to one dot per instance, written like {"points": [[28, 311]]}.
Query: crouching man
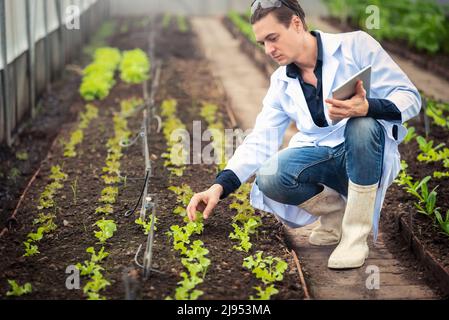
{"points": [[339, 165]]}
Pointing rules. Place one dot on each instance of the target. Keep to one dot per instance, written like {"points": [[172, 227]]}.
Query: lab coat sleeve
{"points": [[265, 138], [388, 81]]}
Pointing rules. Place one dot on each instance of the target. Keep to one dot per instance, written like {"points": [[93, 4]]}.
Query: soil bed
{"points": [[186, 77]]}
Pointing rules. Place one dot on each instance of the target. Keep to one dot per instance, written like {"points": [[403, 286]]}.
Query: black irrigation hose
{"points": [[130, 212]]}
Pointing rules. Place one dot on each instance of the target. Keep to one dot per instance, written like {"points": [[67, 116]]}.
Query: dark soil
{"points": [[58, 107], [185, 77], [399, 203], [438, 63]]}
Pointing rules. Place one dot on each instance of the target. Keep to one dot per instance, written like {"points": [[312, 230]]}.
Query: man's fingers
{"points": [[338, 103], [210, 206], [337, 112], [191, 208]]}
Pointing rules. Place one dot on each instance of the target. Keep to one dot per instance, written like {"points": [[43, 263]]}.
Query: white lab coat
{"points": [[343, 55]]}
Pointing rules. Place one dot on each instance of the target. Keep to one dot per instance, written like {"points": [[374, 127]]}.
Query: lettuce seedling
{"points": [[264, 294], [146, 225], [107, 229], [268, 269], [17, 290]]}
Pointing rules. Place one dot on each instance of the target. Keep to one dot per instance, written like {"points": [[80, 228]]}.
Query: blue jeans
{"points": [[301, 171]]}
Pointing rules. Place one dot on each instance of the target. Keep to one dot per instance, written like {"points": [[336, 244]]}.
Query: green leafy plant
{"points": [[135, 66], [96, 283], [98, 77], [107, 229], [421, 23], [194, 254], [268, 269], [74, 187], [30, 249], [440, 174], [77, 136], [106, 209], [182, 24], [403, 178], [109, 194], [411, 134], [45, 222], [146, 225], [265, 293], [243, 234], [22, 155], [427, 146], [17, 290], [166, 20], [243, 25], [176, 155], [92, 269], [426, 200], [444, 223], [97, 257]]}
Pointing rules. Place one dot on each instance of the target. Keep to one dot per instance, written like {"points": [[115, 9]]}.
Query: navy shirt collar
{"points": [[293, 70]]}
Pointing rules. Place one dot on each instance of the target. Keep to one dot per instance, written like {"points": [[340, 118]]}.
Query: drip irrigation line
{"points": [[130, 212], [301, 276]]}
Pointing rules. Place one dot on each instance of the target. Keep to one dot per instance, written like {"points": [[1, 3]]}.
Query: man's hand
{"points": [[357, 106], [204, 201]]}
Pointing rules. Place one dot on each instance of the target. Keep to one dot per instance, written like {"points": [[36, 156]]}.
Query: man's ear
{"points": [[297, 24]]}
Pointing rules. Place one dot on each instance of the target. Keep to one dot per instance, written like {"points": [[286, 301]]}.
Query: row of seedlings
{"points": [[107, 227], [426, 200], [45, 221], [77, 135], [193, 252], [134, 69], [245, 223], [44, 224]]}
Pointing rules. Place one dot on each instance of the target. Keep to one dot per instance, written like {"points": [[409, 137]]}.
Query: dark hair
{"points": [[283, 14]]}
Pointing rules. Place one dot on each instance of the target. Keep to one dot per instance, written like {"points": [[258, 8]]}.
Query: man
{"points": [[339, 165]]}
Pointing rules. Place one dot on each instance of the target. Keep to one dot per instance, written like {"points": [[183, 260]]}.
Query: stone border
{"points": [[424, 256]]}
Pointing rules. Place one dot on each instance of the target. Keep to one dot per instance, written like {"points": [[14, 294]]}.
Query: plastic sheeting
{"points": [[17, 22], [181, 7]]}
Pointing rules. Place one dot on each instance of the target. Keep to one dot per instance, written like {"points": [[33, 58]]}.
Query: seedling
{"points": [[74, 187], [17, 290], [146, 225], [22, 156], [107, 229]]}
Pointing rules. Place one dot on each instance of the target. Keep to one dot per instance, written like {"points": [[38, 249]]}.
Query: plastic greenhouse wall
{"points": [[37, 39]]}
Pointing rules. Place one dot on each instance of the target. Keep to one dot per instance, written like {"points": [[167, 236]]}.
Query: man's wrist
{"points": [[218, 187], [365, 108]]}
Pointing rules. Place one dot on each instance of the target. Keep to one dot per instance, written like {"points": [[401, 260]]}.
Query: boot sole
{"points": [[324, 244]]}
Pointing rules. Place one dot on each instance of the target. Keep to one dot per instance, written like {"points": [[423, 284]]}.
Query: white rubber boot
{"points": [[330, 207], [357, 222]]}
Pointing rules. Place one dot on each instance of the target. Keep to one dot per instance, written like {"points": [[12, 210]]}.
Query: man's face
{"points": [[281, 44]]}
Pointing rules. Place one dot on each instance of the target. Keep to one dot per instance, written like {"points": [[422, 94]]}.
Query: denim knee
{"points": [[362, 133], [272, 183], [364, 146]]}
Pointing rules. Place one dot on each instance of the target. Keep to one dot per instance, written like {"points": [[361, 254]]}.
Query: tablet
{"points": [[347, 89]]}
